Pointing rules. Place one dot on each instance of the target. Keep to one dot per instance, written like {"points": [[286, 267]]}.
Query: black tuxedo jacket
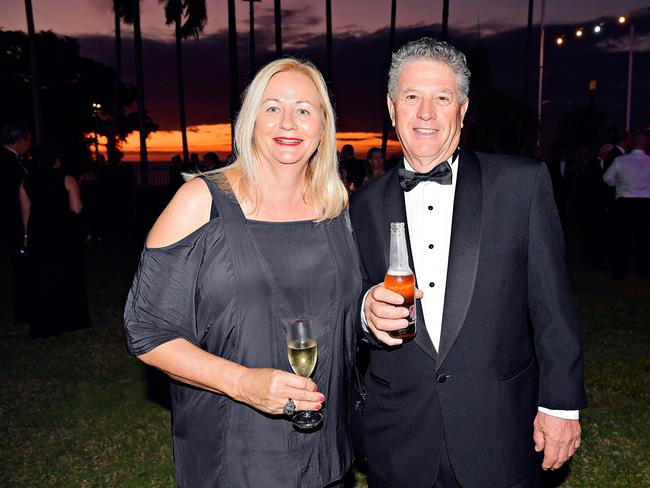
{"points": [[510, 335]]}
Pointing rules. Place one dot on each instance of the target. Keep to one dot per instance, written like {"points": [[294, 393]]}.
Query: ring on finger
{"points": [[289, 407]]}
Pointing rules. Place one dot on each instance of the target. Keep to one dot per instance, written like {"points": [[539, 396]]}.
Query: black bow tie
{"points": [[441, 174]]}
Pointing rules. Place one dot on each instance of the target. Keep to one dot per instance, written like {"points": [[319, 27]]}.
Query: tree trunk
{"points": [[181, 90], [233, 68], [445, 20], [278, 29], [391, 48], [328, 40], [36, 85], [251, 44], [115, 121], [139, 80], [529, 43]]}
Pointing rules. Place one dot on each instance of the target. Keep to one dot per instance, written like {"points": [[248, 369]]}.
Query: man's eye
{"points": [[444, 99], [411, 97]]}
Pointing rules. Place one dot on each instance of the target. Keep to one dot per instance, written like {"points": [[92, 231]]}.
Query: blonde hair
{"points": [[324, 187]]}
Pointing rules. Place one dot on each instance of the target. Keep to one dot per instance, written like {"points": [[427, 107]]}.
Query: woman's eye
{"points": [[303, 112], [273, 110]]}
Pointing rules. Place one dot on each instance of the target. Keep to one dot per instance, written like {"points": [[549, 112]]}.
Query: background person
{"points": [[230, 259], [51, 205], [630, 175], [375, 159]]}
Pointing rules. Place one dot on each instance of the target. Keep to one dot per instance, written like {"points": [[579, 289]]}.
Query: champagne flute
{"points": [[303, 355]]}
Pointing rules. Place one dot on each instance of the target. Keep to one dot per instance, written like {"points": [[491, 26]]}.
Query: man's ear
{"points": [[391, 109], [463, 110]]}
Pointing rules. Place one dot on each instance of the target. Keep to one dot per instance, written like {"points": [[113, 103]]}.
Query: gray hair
{"points": [[429, 48]]}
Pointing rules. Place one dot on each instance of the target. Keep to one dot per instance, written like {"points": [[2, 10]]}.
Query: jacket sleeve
{"points": [[553, 316]]}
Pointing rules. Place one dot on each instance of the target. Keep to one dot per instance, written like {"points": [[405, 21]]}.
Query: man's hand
{"points": [[383, 313], [558, 438]]}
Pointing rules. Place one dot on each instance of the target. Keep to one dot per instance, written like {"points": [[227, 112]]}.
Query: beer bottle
{"points": [[399, 278]]}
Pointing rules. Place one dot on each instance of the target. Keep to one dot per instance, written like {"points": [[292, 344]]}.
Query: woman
{"points": [[234, 255], [51, 205], [375, 159]]}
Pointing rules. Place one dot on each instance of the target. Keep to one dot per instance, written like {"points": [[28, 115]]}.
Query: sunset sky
{"points": [[360, 53]]}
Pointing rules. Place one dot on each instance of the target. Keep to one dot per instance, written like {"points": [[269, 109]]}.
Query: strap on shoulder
{"points": [[214, 211]]}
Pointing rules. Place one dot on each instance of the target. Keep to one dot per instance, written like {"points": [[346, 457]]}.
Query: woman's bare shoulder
{"points": [[188, 210]]}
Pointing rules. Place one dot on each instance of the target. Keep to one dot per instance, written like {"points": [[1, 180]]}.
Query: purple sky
{"points": [[359, 50], [78, 17]]}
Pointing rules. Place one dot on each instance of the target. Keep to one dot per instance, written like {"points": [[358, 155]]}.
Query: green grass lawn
{"points": [[76, 410]]}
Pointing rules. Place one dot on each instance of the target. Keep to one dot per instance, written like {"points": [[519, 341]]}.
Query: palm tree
{"points": [[278, 28], [251, 42], [36, 85], [234, 67], [328, 39], [391, 48], [189, 18], [445, 20], [529, 42], [118, 14], [131, 15]]}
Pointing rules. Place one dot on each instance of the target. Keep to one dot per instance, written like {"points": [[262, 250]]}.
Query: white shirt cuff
{"points": [[364, 324], [563, 414]]}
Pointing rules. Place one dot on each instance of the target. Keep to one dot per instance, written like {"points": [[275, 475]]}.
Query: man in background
{"points": [[630, 175], [15, 141]]}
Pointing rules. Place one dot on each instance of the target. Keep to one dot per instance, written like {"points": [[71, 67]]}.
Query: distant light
{"points": [[597, 29], [579, 32], [622, 19], [559, 41]]}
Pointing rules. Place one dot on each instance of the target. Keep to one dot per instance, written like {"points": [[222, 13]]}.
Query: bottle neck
{"points": [[399, 260]]}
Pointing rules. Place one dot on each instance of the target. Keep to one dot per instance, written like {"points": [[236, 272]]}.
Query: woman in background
{"points": [[51, 205]]}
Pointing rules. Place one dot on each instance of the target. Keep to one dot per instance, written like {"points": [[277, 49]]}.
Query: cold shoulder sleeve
{"points": [[161, 303]]}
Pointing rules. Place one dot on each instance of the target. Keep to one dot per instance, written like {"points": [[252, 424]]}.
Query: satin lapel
{"points": [[463, 251], [395, 211]]}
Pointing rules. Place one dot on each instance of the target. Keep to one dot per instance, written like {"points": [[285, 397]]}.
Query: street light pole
{"points": [[541, 75], [630, 60]]}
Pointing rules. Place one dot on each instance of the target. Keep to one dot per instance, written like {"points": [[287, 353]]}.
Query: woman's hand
{"points": [[268, 390]]}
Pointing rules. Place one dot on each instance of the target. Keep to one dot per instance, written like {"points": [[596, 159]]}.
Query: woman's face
{"points": [[376, 161], [289, 123]]}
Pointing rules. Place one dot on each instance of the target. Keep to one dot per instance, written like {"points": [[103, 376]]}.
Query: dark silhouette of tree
{"points": [[71, 84], [131, 11], [445, 20], [111, 147], [189, 18], [328, 40], [35, 78], [233, 62], [391, 48], [278, 28]]}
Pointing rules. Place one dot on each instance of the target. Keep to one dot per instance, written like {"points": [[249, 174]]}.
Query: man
{"points": [[15, 141], [355, 169], [458, 405], [621, 142], [630, 174], [593, 202]]}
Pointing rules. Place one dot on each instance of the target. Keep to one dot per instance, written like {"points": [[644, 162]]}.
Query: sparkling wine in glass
{"points": [[302, 349]]}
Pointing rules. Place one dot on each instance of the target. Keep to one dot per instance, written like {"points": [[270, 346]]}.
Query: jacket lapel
{"points": [[463, 251], [395, 211]]}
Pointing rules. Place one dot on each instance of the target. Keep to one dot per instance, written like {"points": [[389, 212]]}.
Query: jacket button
{"points": [[442, 378]]}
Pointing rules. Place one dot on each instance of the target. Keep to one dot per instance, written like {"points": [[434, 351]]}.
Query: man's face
{"points": [[427, 113]]}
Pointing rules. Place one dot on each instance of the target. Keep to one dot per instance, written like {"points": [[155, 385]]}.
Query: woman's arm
{"points": [[265, 389], [74, 198]]}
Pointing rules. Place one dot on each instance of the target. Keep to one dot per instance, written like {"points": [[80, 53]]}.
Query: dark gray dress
{"points": [[229, 288]]}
